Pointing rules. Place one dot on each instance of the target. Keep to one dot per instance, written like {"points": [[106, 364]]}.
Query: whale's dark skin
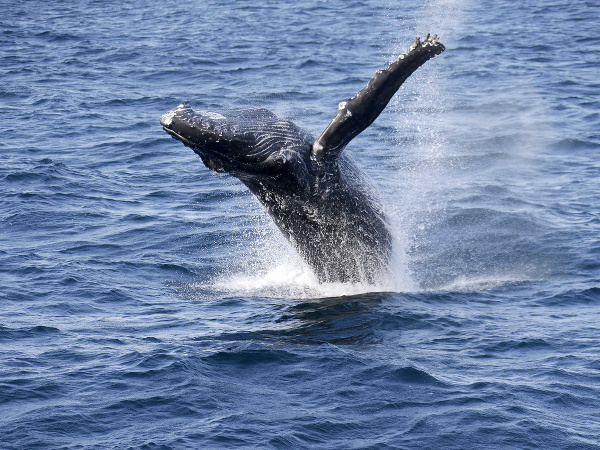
{"points": [[313, 192]]}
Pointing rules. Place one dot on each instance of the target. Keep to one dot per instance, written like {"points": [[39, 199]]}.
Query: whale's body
{"points": [[312, 191]]}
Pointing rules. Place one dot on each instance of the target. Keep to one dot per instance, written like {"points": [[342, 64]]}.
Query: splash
{"points": [[484, 283], [418, 192], [460, 163], [284, 281], [446, 17], [271, 268], [422, 154]]}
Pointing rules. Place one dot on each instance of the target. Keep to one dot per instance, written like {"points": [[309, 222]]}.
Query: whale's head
{"points": [[244, 143]]}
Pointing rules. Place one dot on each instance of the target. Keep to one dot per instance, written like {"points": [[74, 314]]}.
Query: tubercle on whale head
{"points": [[166, 119]]}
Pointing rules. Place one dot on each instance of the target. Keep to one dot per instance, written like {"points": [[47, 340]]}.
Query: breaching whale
{"points": [[313, 191]]}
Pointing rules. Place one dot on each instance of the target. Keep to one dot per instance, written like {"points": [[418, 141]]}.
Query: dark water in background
{"points": [[147, 303]]}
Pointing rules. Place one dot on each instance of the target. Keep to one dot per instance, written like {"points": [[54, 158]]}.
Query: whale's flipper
{"points": [[360, 111]]}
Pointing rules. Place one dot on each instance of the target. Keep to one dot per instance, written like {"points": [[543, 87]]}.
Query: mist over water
{"points": [[148, 303]]}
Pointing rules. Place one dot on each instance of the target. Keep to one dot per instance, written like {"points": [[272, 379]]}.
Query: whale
{"points": [[311, 188]]}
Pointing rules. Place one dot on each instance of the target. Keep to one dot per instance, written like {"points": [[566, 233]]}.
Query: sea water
{"points": [[146, 302]]}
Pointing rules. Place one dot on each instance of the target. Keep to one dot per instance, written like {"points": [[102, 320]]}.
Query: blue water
{"points": [[148, 303]]}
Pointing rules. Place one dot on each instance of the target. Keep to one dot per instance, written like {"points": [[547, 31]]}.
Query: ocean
{"points": [[148, 303]]}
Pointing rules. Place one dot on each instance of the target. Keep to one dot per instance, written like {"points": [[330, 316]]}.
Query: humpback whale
{"points": [[310, 188]]}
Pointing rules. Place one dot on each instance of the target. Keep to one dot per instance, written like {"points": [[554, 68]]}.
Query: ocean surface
{"points": [[148, 303]]}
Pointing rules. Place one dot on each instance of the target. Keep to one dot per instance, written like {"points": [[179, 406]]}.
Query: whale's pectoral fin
{"points": [[360, 111]]}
